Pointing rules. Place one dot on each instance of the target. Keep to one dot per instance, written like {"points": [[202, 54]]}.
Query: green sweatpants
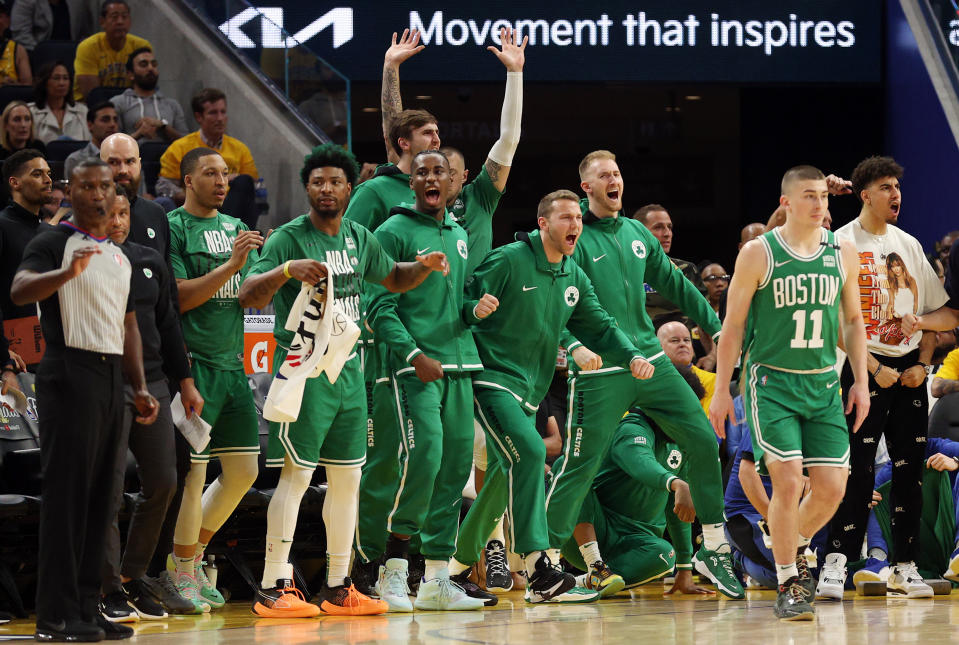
{"points": [[381, 472], [514, 479], [937, 523], [436, 453], [598, 402], [635, 553]]}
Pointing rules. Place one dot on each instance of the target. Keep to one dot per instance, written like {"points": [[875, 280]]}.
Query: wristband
{"points": [[876, 373], [286, 268]]}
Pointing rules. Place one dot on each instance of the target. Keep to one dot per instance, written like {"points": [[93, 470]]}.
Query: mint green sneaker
{"points": [[576, 595], [208, 592], [718, 567], [186, 586]]}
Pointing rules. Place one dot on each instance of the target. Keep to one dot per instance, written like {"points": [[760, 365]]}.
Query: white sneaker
{"points": [[832, 577], [952, 573], [906, 581], [442, 594], [391, 585]]}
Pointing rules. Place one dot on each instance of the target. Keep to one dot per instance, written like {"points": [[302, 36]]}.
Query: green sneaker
{"points": [[718, 567], [208, 592], [186, 586], [576, 595], [600, 578], [791, 601]]}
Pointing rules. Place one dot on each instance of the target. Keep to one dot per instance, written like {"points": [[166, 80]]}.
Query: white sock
{"points": [[714, 538], [184, 565], [434, 568], [339, 516], [497, 533], [581, 580], [456, 567], [876, 552], [281, 522], [198, 557], [554, 555], [803, 542], [786, 571], [590, 552], [530, 563]]}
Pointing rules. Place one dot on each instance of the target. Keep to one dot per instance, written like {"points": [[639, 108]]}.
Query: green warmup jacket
{"points": [[429, 319], [517, 343], [372, 200], [619, 255], [632, 485]]}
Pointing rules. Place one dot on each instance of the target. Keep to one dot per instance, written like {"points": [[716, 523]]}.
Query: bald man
{"points": [[678, 345], [750, 232]]}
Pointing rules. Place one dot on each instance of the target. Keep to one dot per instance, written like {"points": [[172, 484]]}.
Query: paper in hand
{"points": [[195, 430]]}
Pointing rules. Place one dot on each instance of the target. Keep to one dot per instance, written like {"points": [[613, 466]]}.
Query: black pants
{"points": [[164, 542], [153, 448], [241, 201], [901, 414], [80, 401]]}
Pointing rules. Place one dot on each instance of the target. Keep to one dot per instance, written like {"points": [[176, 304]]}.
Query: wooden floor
{"points": [[643, 616]]}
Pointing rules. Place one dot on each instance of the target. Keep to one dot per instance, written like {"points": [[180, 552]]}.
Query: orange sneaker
{"points": [[345, 600], [283, 601]]}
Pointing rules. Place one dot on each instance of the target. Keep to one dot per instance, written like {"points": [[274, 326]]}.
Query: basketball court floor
{"points": [[641, 617]]}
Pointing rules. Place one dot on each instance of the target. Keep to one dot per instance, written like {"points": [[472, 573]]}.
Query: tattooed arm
{"points": [[391, 103], [500, 158]]}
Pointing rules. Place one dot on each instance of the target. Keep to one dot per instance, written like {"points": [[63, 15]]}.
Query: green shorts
{"points": [[796, 416], [332, 426], [228, 407]]}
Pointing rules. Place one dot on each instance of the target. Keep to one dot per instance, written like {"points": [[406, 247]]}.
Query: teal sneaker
{"points": [[208, 592], [186, 586], [576, 595], [718, 567]]}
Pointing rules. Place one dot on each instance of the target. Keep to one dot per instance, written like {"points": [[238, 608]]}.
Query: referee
{"points": [[81, 280]]}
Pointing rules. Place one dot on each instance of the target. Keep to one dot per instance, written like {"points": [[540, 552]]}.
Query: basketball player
{"points": [[210, 252], [331, 427], [788, 286], [619, 255]]}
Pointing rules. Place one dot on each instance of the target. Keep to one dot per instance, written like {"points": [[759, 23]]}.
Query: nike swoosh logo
{"points": [[831, 384], [599, 258], [779, 264], [422, 251], [525, 288]]}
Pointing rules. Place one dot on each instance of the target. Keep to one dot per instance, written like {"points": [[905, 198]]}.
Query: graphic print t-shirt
{"points": [[895, 279]]}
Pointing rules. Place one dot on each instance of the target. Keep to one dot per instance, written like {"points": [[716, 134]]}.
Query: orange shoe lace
{"points": [[295, 591], [353, 597]]}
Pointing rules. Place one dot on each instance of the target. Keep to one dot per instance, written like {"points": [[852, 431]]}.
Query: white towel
{"points": [[323, 341]]}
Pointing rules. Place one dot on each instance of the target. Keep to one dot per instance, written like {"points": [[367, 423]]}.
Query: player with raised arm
{"points": [[792, 291]]}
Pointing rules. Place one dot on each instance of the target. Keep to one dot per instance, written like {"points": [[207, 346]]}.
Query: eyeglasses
{"points": [[711, 278]]}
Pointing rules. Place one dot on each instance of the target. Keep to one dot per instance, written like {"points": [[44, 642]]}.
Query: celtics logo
{"points": [[461, 247], [639, 249], [151, 233], [571, 296], [147, 272], [674, 459]]}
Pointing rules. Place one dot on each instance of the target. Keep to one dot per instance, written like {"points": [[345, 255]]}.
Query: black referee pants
{"points": [[80, 404], [901, 414]]}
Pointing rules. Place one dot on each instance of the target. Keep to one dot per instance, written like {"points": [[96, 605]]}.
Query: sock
{"points": [[876, 552], [786, 571], [200, 550], [590, 552], [803, 543], [714, 538], [277, 564], [581, 581], [184, 565], [397, 548], [434, 568], [497, 533], [554, 556], [456, 567], [337, 567], [529, 561]]}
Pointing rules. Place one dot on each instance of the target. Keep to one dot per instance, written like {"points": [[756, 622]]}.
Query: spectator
{"points": [[716, 279], [657, 220], [14, 63], [17, 131], [678, 346], [58, 206], [946, 379], [145, 114], [55, 114], [209, 110], [102, 122], [750, 232], [101, 58], [945, 244], [34, 21]]}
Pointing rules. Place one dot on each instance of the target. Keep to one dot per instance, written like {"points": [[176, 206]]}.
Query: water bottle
{"points": [[210, 569]]}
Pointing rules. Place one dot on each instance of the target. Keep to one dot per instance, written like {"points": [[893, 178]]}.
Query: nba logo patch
{"points": [[762, 381], [350, 244], [118, 258]]}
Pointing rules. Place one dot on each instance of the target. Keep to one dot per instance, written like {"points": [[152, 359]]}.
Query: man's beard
{"points": [[146, 82], [326, 213]]}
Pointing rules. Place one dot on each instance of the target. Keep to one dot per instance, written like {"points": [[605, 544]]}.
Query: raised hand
{"points": [[245, 242], [408, 46], [81, 260], [512, 56], [838, 185]]}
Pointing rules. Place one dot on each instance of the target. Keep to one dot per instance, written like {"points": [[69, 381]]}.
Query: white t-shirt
{"points": [[895, 278]]}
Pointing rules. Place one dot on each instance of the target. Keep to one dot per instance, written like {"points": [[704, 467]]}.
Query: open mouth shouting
{"points": [[894, 208], [569, 243], [433, 197]]}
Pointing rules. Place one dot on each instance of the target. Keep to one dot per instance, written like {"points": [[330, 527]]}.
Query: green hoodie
{"points": [[619, 255], [518, 341], [372, 200], [430, 318]]}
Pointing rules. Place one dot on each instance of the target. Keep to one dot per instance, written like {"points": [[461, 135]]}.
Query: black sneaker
{"points": [[498, 577], [547, 581], [143, 600], [791, 602], [364, 575], [806, 580], [165, 591], [113, 631], [116, 608], [416, 572], [5, 617], [473, 590], [76, 631]]}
